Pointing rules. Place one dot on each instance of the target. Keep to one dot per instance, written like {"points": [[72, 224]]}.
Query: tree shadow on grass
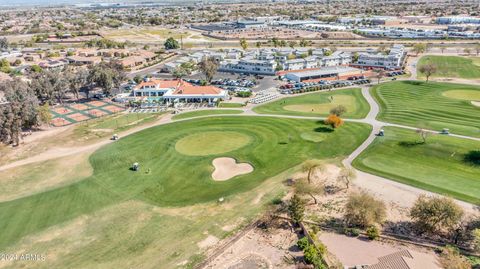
{"points": [[323, 129], [416, 83], [472, 158], [409, 144]]}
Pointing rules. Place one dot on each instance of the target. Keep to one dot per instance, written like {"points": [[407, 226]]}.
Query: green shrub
{"points": [[311, 254], [303, 243], [352, 232], [277, 201], [321, 248], [373, 232]]}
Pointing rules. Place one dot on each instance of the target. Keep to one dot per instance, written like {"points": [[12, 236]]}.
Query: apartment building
{"points": [[393, 60]]}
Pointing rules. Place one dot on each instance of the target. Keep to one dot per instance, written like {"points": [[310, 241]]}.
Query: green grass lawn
{"points": [[231, 105], [168, 178], [427, 105], [452, 66], [207, 112], [319, 104], [438, 166]]}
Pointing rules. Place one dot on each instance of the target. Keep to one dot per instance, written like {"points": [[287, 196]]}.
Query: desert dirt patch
{"points": [[213, 142], [227, 168], [208, 242], [271, 247], [469, 95], [251, 260], [340, 99]]}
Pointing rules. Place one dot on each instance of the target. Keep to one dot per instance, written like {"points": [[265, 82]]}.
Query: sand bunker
{"points": [[476, 103], [226, 168]]}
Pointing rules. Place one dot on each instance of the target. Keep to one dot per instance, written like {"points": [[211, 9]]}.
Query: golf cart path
{"points": [[58, 152], [387, 189]]}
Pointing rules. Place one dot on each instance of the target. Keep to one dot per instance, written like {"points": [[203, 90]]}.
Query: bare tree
{"points": [[346, 175], [209, 67], [310, 167], [424, 134], [427, 69], [379, 74], [302, 187]]}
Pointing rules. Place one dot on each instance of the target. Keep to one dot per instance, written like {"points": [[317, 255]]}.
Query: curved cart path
{"points": [[388, 190]]}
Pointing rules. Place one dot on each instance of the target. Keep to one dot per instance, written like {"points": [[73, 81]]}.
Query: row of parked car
{"points": [[321, 85], [300, 85], [395, 73], [246, 83]]}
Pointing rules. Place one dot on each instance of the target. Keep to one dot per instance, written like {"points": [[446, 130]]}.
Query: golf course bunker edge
{"points": [[227, 168]]}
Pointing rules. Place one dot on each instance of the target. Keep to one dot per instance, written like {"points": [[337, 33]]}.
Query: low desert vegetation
{"points": [[362, 210], [450, 258], [435, 214]]}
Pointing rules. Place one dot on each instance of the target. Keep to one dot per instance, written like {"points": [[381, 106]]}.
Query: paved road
{"points": [[370, 119]]}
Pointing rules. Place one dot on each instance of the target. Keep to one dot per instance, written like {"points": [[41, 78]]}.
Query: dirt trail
{"points": [[58, 152]]}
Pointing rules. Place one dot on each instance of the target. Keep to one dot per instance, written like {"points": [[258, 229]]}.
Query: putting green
{"points": [[340, 99], [468, 95], [210, 143]]}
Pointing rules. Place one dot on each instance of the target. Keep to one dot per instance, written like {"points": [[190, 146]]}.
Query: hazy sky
{"points": [[52, 2]]}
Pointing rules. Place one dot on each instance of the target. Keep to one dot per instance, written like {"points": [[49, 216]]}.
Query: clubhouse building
{"points": [[173, 91]]}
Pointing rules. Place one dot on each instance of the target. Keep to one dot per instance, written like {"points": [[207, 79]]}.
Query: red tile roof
{"points": [[180, 86]]}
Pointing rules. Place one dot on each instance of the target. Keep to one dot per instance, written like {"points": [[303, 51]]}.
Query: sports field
{"points": [[439, 165], [430, 105], [99, 215], [207, 112], [319, 104], [453, 66]]}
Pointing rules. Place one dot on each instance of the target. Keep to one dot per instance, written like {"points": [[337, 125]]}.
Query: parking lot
{"points": [[300, 87]]}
